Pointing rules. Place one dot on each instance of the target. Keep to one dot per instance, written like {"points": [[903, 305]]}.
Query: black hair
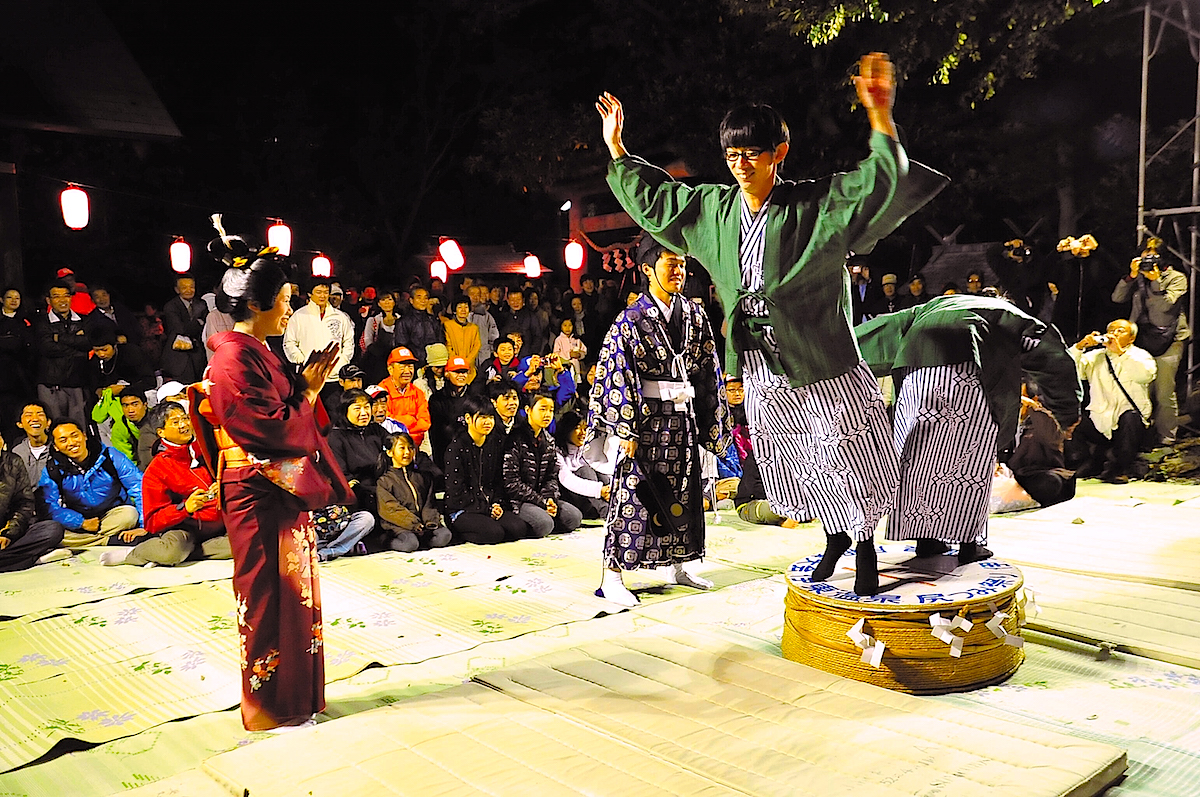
{"points": [[462, 300], [352, 395], [477, 405], [63, 421], [60, 283], [951, 286], [502, 387], [565, 426], [385, 456], [326, 281], [32, 403], [159, 412], [537, 395], [133, 394], [649, 251], [758, 126], [102, 334], [257, 283]]}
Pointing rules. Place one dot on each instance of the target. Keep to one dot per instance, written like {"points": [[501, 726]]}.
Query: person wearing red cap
{"points": [[445, 407], [81, 298], [406, 403]]}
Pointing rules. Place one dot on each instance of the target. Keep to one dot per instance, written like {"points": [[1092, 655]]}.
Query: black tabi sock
{"points": [[835, 546], [928, 547], [866, 575], [972, 552]]}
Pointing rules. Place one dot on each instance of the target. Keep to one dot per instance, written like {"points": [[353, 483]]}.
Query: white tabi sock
{"points": [[116, 557], [686, 579], [613, 588]]}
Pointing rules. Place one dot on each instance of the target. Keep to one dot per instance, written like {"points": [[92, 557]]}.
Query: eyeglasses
{"points": [[735, 155]]}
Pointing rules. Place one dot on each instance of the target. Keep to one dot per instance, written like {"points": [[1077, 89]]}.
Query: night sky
{"points": [[373, 130]]}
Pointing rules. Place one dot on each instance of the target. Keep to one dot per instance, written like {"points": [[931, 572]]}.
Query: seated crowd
{"points": [[455, 418], [443, 423]]}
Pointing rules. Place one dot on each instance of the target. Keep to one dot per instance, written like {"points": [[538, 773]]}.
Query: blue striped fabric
{"points": [[947, 443], [824, 450]]}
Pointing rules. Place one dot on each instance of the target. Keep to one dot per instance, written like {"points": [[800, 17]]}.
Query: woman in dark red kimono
{"points": [[261, 434]]}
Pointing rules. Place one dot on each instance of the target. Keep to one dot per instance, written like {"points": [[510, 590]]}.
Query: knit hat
{"points": [[437, 354]]}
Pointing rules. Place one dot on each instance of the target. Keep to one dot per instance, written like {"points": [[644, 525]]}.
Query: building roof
{"points": [[65, 69]]}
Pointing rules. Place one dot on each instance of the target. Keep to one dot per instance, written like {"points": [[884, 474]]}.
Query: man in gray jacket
{"points": [[1157, 291]]}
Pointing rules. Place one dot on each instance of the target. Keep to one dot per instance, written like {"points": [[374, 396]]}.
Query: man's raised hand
{"points": [[876, 86], [612, 123]]}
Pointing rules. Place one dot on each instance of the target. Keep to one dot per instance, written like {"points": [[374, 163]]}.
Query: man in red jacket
{"points": [[179, 499]]}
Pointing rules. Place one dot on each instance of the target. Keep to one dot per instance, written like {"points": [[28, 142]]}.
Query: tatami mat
{"points": [[466, 740], [764, 725], [439, 618], [1124, 540]]}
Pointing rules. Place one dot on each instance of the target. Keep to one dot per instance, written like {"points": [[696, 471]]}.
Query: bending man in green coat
{"points": [[775, 250], [958, 362]]}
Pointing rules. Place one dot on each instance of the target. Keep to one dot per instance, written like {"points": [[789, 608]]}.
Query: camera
{"points": [[1150, 262], [1102, 340], [1017, 250]]}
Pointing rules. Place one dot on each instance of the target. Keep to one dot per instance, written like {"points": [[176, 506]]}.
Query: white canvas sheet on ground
{"points": [[765, 725], [1125, 540], [465, 740]]}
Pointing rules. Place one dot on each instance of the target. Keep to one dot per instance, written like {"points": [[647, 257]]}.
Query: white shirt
{"points": [[307, 332], [1136, 370]]}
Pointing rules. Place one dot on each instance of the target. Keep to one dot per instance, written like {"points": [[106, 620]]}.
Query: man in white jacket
{"points": [[1119, 375], [313, 327]]}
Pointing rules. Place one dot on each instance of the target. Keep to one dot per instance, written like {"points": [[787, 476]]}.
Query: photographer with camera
{"points": [[1119, 375], [1157, 291]]}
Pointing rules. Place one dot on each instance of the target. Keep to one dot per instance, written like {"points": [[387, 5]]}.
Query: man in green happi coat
{"points": [[775, 250]]}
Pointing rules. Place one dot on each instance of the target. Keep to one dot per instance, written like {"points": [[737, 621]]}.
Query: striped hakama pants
{"points": [[947, 442], [824, 450]]}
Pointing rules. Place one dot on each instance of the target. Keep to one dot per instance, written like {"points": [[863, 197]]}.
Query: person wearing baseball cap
{"points": [[885, 302], [336, 294], [446, 407], [81, 299], [351, 376], [406, 403]]}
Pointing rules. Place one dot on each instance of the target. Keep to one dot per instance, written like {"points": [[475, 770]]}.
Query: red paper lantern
{"points": [[279, 235], [321, 267], [452, 254], [533, 266], [573, 254], [75, 208], [437, 270], [181, 256]]}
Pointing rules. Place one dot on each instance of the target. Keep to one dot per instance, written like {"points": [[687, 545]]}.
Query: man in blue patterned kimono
{"points": [[658, 390]]}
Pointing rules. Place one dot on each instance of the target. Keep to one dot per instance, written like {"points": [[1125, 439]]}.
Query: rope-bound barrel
{"points": [[925, 635]]}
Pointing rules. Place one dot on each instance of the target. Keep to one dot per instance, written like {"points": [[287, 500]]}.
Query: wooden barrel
{"points": [[925, 649]]}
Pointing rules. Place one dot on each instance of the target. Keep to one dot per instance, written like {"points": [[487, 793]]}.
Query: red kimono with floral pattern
{"points": [[270, 531]]}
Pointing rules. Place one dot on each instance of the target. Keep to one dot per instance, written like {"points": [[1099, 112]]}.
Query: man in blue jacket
{"points": [[93, 490]]}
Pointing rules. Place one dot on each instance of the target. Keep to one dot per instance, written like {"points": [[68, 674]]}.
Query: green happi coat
{"points": [[948, 330], [811, 226]]}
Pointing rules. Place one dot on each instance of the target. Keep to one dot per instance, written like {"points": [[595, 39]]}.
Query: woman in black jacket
{"points": [[531, 472], [357, 444], [475, 503]]}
